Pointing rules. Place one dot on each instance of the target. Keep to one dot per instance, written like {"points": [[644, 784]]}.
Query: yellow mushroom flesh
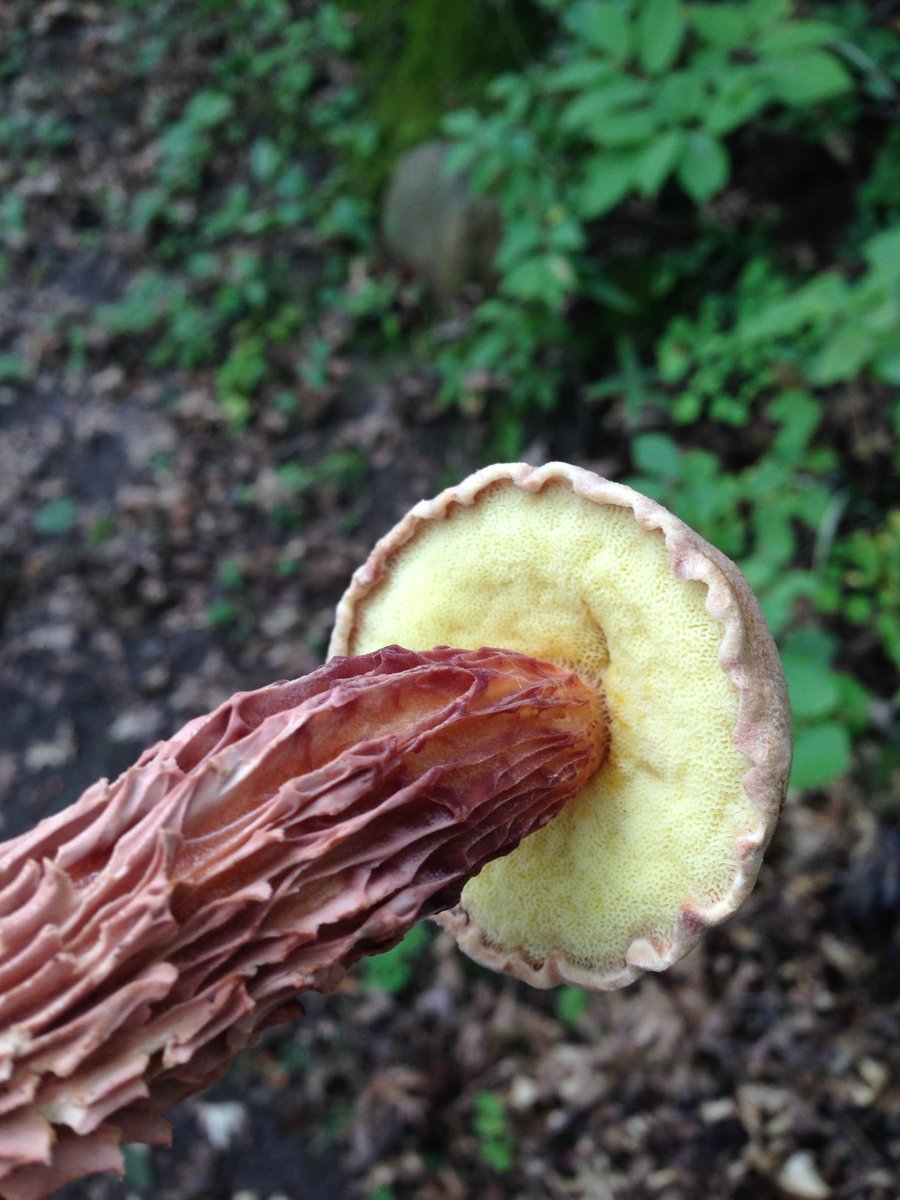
{"points": [[655, 835]]}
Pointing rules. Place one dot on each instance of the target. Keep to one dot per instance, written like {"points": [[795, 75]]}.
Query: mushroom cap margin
{"points": [[747, 655]]}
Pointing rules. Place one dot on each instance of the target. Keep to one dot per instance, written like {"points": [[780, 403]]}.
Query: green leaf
{"points": [[208, 108], [608, 180], [723, 25], [855, 704], [220, 614], [680, 97], [813, 686], [585, 109], [743, 93], [796, 35], [817, 302], [780, 599], [657, 161], [544, 277], [265, 159], [799, 416], [887, 366], [810, 78], [382, 1192], [842, 357], [674, 359], [56, 517], [610, 295], [883, 248], [138, 1168], [763, 13], [391, 970], [657, 455], [622, 129], [571, 1003], [809, 641], [602, 25], [579, 74], [821, 755], [704, 167], [776, 542], [13, 368], [660, 34]]}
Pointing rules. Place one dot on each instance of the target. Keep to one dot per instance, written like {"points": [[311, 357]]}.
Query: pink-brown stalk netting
{"points": [[152, 929]]}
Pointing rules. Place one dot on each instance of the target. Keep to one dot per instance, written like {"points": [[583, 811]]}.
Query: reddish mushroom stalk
{"points": [[152, 929]]}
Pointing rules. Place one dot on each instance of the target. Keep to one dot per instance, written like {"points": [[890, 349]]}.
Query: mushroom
{"points": [[152, 929], [666, 838]]}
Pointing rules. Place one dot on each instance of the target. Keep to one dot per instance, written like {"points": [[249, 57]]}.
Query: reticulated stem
{"points": [[152, 929]]}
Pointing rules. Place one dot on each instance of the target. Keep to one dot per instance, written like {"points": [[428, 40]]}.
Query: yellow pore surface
{"points": [[582, 585]]}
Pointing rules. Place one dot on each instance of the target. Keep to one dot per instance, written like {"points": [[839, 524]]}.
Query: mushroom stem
{"points": [[152, 929]]}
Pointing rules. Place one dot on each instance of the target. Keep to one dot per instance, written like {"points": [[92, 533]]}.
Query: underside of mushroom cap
{"points": [[668, 836]]}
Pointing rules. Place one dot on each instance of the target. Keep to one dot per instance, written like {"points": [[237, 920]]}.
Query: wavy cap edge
{"points": [[747, 655]]}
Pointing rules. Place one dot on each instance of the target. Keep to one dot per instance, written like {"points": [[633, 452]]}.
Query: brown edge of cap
{"points": [[748, 657]]}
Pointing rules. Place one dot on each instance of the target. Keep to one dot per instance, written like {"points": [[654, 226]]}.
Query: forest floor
{"points": [[152, 562]]}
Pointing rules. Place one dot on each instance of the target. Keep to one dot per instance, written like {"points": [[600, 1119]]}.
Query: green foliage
{"points": [[864, 581], [13, 369], [496, 1139], [571, 1003], [57, 517], [879, 197], [382, 1192], [230, 575], [628, 98], [341, 469], [392, 970], [240, 170], [763, 516], [826, 331], [221, 614], [139, 1169], [828, 706]]}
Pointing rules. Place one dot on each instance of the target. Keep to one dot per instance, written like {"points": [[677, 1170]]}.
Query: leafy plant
{"points": [[864, 581], [341, 469], [138, 1168], [496, 1140], [392, 970], [628, 98], [825, 331], [828, 707], [571, 1003], [247, 185], [57, 517]]}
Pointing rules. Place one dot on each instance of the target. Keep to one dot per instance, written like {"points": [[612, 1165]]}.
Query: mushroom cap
{"points": [[667, 837]]}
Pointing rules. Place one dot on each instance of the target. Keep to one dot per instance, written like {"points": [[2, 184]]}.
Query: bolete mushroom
{"points": [[666, 838], [152, 929]]}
